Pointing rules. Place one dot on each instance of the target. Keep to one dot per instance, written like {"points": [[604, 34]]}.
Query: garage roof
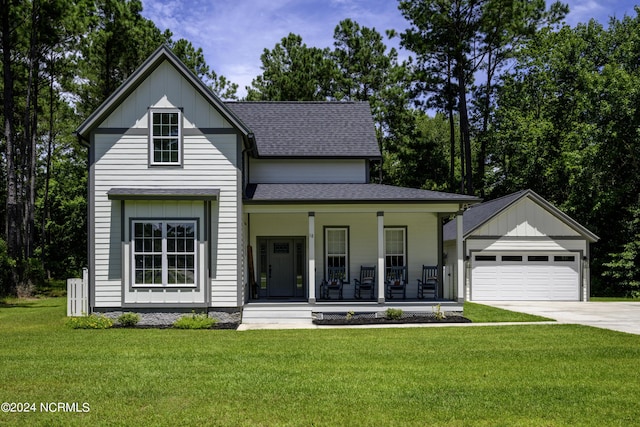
{"points": [[480, 214]]}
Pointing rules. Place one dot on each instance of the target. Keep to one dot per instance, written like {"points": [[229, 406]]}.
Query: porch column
{"points": [[311, 250], [460, 259], [380, 268]]}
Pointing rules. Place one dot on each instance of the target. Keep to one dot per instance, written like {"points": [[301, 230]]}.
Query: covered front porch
{"points": [[297, 247]]}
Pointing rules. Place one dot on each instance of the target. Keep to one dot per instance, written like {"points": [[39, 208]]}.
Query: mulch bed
{"points": [[380, 319]]}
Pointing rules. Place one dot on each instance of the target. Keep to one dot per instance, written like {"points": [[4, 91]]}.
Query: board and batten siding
{"points": [[525, 219], [122, 161], [165, 87], [277, 171]]}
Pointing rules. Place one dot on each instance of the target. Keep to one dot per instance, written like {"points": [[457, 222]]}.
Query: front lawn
{"points": [[527, 375], [480, 313]]}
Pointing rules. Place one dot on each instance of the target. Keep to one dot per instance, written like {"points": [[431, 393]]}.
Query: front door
{"points": [[280, 267], [280, 279]]}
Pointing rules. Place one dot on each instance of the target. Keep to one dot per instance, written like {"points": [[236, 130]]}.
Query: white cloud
{"points": [[582, 11]]}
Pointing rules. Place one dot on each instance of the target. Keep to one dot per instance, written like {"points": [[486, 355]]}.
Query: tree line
{"points": [[497, 96]]}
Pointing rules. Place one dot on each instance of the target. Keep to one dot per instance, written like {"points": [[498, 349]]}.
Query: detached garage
{"points": [[521, 248]]}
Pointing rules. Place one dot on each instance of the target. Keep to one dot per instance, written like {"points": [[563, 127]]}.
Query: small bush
{"points": [[129, 320], [94, 321], [393, 313], [195, 321], [438, 313]]}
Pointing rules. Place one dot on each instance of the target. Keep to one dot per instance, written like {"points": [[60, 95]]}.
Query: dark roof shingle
{"points": [[310, 129], [303, 193]]}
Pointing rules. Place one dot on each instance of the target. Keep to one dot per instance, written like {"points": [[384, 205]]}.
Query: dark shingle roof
{"points": [[119, 193], [479, 214], [287, 193], [310, 129]]}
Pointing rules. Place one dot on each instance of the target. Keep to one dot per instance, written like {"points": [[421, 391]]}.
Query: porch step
{"points": [[277, 314]]}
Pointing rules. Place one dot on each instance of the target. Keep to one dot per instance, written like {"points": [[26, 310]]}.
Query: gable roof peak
{"points": [[162, 54]]}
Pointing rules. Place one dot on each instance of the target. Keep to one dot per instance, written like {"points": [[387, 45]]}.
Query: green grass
{"points": [[480, 313], [526, 375]]}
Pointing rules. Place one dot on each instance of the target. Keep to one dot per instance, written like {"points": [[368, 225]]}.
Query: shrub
{"points": [[438, 313], [129, 320], [94, 321], [393, 313], [195, 321]]}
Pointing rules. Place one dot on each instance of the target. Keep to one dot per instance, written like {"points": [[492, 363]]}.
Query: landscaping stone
{"points": [[226, 320]]}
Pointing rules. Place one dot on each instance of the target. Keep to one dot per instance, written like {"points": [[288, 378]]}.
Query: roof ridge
{"points": [[296, 102], [514, 196]]}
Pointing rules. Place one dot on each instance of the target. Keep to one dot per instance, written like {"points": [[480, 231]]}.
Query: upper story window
{"points": [[165, 143]]}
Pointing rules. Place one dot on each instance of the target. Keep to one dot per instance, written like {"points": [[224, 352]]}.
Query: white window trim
{"points": [[152, 161], [346, 249], [164, 254]]}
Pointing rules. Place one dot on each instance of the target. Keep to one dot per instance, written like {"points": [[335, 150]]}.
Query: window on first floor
{"points": [[337, 249], [164, 253], [395, 247], [165, 137]]}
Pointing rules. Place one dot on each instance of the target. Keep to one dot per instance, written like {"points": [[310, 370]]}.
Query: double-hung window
{"points": [[164, 252], [337, 249], [395, 247], [165, 140]]}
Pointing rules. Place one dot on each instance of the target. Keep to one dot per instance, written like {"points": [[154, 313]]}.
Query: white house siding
{"points": [[122, 161], [270, 171], [525, 219]]}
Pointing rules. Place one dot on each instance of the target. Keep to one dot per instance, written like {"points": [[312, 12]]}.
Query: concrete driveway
{"points": [[617, 316]]}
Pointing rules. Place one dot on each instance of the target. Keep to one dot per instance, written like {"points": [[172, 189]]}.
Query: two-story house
{"points": [[195, 203]]}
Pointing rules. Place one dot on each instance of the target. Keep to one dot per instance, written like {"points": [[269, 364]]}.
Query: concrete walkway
{"points": [[617, 316]]}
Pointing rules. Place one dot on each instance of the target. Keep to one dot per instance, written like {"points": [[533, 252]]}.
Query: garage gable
{"points": [[525, 218]]}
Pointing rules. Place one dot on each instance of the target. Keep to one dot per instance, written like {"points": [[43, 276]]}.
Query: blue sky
{"points": [[233, 33]]}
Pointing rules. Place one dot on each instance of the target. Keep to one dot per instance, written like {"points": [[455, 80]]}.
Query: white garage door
{"points": [[518, 276]]}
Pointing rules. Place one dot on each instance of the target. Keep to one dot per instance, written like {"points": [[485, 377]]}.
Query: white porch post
{"points": [[312, 258], [380, 268], [460, 259]]}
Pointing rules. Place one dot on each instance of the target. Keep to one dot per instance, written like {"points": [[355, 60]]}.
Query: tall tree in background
{"points": [[368, 71], [194, 60], [362, 60], [60, 60], [567, 126], [453, 39], [31, 32], [506, 26], [118, 39], [444, 30], [291, 71]]}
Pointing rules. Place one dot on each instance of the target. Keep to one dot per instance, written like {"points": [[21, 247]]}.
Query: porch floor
{"points": [[303, 313]]}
